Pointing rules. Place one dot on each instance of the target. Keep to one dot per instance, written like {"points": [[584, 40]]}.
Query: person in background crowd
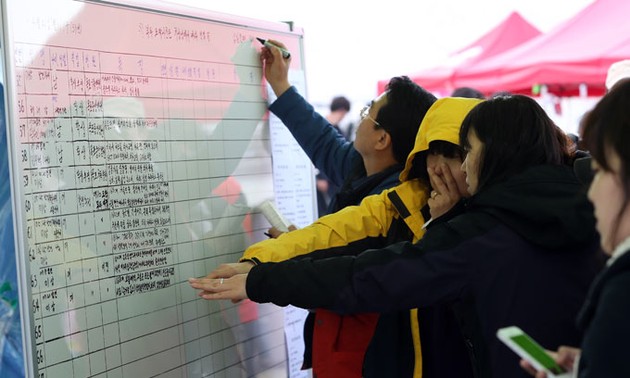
{"points": [[467, 92], [339, 108]]}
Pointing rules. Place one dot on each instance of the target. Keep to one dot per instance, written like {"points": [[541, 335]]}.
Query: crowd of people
{"points": [[456, 217]]}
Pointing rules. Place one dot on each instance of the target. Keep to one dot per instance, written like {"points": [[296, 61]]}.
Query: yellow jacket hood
{"points": [[442, 122]]}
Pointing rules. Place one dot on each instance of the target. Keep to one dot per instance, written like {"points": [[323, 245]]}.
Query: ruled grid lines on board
{"points": [[131, 186]]}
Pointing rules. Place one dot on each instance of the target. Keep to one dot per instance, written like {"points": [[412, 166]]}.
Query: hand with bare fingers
{"points": [[565, 357], [276, 67], [275, 233], [232, 288], [445, 193], [229, 270]]}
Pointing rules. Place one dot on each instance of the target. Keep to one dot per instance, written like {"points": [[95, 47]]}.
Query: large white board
{"points": [[139, 148]]}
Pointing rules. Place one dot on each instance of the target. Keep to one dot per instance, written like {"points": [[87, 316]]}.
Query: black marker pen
{"points": [[285, 53]]}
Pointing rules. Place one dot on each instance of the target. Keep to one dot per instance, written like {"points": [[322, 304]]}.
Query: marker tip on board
{"points": [[285, 53]]}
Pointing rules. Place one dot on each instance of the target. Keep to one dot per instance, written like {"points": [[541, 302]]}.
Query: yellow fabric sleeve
{"points": [[372, 218]]}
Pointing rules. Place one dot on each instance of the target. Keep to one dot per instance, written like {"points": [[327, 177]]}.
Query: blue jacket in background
{"points": [[330, 152]]}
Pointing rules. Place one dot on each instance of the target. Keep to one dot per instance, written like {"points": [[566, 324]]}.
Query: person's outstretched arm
{"points": [[345, 232], [347, 228], [401, 276], [329, 151]]}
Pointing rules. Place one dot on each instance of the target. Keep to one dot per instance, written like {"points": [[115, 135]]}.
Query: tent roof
{"points": [[511, 32], [577, 51]]}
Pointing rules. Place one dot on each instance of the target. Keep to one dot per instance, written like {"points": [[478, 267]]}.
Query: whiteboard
{"points": [[140, 146]]}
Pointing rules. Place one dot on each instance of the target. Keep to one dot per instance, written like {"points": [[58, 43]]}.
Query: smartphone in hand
{"points": [[528, 349]]}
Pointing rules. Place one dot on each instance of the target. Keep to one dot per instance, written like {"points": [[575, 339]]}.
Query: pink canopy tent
{"points": [[511, 32], [578, 51]]}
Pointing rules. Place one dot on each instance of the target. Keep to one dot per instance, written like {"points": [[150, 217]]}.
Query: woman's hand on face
{"points": [[445, 193], [232, 288]]}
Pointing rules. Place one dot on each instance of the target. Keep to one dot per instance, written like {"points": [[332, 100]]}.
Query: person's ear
{"points": [[384, 140]]}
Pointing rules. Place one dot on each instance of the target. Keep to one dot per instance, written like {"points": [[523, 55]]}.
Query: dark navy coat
{"points": [[524, 253]]}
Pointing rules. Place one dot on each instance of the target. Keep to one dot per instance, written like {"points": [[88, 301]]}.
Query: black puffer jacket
{"points": [[524, 253]]}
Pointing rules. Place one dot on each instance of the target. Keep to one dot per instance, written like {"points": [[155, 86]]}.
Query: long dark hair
{"points": [[516, 134], [607, 128]]}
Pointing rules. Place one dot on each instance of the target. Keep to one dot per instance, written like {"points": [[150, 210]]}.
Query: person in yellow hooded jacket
{"points": [[419, 343]]}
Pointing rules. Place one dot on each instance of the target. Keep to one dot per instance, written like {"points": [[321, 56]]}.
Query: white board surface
{"points": [[140, 148]]}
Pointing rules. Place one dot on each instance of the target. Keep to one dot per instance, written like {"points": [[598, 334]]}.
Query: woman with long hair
{"points": [[606, 312]]}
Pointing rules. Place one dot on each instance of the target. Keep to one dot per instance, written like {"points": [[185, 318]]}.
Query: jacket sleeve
{"points": [[347, 231], [400, 276], [604, 352], [329, 151]]}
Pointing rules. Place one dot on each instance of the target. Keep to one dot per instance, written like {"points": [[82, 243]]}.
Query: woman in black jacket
{"points": [[523, 251], [605, 316]]}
